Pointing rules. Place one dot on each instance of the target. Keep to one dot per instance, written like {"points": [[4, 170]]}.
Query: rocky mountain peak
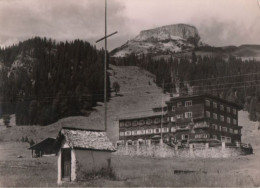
{"points": [[175, 32], [163, 40]]}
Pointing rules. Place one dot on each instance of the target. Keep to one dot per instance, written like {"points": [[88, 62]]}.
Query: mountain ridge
{"points": [[180, 40], [167, 39]]}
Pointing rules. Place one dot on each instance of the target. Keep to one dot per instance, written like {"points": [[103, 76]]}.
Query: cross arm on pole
{"points": [[106, 37]]}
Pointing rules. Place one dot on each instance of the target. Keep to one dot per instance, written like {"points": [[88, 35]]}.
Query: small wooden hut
{"points": [[82, 152]]}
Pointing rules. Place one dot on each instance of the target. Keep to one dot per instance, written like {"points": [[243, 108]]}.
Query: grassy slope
{"points": [[137, 95]]}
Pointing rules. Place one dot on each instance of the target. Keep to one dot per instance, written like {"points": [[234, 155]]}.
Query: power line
{"points": [[178, 93], [135, 112], [143, 95], [99, 94], [133, 93], [206, 79], [168, 83]]}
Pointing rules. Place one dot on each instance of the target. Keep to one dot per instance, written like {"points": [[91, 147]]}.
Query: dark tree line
{"points": [[200, 75], [43, 81]]}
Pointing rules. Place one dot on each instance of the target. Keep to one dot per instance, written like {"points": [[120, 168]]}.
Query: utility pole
{"points": [[162, 112], [105, 66], [105, 69]]}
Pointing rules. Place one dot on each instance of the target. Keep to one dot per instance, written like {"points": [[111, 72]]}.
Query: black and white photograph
{"points": [[130, 93]]}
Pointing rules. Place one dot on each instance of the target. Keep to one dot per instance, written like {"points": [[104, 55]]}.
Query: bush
{"points": [[6, 119], [116, 87], [31, 142], [26, 139]]}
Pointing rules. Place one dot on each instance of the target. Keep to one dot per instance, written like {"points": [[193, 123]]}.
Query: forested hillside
{"points": [[43, 80], [229, 78]]}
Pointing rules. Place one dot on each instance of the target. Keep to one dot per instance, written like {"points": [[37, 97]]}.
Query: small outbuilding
{"points": [[82, 152], [44, 147]]}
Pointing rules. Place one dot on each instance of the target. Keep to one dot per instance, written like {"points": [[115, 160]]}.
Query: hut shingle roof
{"points": [[48, 142], [87, 139]]}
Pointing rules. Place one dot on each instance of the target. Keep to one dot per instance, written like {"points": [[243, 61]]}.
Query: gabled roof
{"points": [[48, 142], [86, 139]]}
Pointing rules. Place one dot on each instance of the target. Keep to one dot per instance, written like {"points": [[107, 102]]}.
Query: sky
{"points": [[219, 22]]}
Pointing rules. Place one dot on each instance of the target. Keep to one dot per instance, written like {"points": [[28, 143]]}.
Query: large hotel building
{"points": [[186, 118]]}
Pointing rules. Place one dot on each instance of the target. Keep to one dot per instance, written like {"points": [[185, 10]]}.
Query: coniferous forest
{"points": [[43, 80]]}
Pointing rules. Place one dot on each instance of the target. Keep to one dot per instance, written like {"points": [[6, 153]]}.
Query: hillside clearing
{"points": [[138, 95]]}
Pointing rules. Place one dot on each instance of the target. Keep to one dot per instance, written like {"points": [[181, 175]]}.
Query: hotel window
{"points": [[197, 136], [207, 114], [215, 137], [231, 130], [228, 119], [157, 130], [222, 118], [201, 136], [121, 134], [215, 116], [188, 114], [173, 108], [219, 128], [235, 131], [148, 121], [157, 120], [215, 126], [228, 139], [172, 119], [149, 131], [184, 137], [121, 124], [165, 119], [224, 129], [234, 111], [128, 124], [128, 133], [234, 121], [225, 139], [179, 104], [141, 122], [173, 129], [141, 132], [228, 109], [165, 129], [134, 123], [207, 103], [215, 105], [179, 116], [188, 103], [221, 107], [134, 132]]}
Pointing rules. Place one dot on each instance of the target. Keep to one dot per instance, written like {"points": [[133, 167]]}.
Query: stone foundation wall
{"points": [[165, 151]]}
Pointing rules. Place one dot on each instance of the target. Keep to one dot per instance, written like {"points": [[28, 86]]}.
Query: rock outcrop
{"points": [[162, 40]]}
